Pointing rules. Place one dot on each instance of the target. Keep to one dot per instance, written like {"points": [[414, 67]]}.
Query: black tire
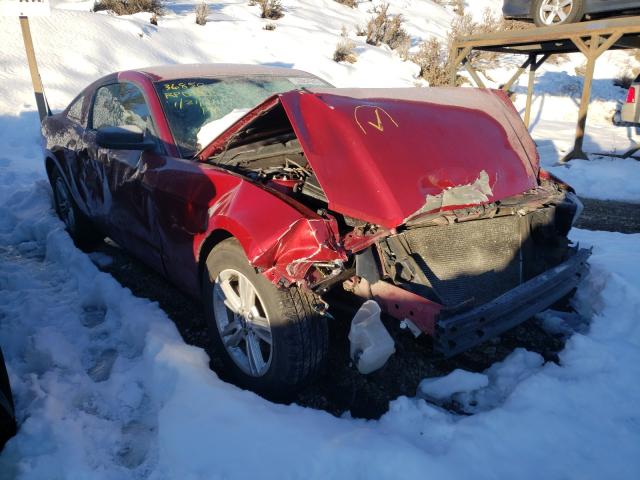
{"points": [[574, 12], [80, 228], [7, 412], [298, 333]]}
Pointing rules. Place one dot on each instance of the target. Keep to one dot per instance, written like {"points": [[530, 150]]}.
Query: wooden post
{"points": [[474, 74], [592, 54], [586, 96], [458, 55], [516, 75], [454, 66], [33, 68], [534, 65], [532, 78]]}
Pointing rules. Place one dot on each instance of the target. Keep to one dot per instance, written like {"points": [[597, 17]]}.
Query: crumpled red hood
{"points": [[382, 155]]}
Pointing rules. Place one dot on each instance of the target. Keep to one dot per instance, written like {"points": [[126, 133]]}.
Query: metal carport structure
{"points": [[591, 39]]}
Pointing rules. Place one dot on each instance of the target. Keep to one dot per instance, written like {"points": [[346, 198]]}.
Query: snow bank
{"points": [[106, 388], [457, 381]]}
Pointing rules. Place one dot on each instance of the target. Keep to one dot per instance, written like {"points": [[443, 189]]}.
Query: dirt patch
{"points": [[341, 388], [610, 216]]}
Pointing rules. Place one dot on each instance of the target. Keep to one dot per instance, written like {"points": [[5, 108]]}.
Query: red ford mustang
{"points": [[260, 189]]}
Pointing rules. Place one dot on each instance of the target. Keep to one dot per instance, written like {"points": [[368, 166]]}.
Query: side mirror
{"points": [[127, 137]]}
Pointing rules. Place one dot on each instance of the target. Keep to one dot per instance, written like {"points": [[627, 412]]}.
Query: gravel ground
{"points": [[341, 388], [610, 216]]}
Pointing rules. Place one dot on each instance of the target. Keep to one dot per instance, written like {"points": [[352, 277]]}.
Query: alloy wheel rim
{"points": [[242, 322], [63, 204], [553, 12]]}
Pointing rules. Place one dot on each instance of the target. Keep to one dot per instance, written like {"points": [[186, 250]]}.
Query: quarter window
{"points": [[75, 110]]}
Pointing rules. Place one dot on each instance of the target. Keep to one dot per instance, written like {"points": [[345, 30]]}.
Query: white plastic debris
{"points": [[371, 344]]}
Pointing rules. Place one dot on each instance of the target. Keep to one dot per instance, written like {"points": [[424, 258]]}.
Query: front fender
{"points": [[280, 240]]}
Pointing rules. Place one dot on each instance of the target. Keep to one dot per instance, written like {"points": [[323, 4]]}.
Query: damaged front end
{"points": [[470, 274], [461, 240]]}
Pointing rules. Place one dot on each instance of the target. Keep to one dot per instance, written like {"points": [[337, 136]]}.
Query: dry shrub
{"points": [[154, 19], [271, 9], [270, 27], [388, 29], [202, 12], [511, 25], [345, 49], [348, 3], [434, 56], [581, 69], [129, 7], [434, 62]]}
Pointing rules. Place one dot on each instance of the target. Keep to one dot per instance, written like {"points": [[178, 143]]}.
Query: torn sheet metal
{"points": [[477, 193], [306, 242], [285, 244]]}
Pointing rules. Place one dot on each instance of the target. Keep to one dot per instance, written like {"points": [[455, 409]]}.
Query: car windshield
{"points": [[199, 109]]}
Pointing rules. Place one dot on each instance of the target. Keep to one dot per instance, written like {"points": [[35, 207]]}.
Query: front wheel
{"points": [[557, 12], [269, 340]]}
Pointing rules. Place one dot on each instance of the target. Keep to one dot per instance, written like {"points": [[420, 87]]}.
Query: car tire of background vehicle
{"points": [[7, 412], [298, 334], [81, 230], [573, 9]]}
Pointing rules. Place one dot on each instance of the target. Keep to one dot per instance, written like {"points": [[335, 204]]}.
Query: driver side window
{"points": [[120, 104]]}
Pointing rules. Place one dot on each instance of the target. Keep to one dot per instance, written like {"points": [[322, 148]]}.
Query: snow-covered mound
{"points": [[106, 388]]}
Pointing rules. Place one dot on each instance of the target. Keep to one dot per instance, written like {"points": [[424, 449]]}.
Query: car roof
{"points": [[173, 72]]}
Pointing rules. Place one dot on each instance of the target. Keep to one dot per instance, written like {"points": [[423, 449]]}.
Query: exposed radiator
{"points": [[474, 261]]}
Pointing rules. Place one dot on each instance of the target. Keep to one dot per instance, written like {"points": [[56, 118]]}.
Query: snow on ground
{"points": [[106, 388]]}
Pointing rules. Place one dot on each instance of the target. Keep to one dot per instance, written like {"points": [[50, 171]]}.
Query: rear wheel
{"points": [[557, 12], [77, 224], [270, 341]]}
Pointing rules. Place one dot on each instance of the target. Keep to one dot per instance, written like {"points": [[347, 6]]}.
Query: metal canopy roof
{"points": [[557, 39], [591, 39]]}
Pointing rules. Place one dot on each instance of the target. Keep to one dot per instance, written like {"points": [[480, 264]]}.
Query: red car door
{"points": [[74, 151], [122, 204]]}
